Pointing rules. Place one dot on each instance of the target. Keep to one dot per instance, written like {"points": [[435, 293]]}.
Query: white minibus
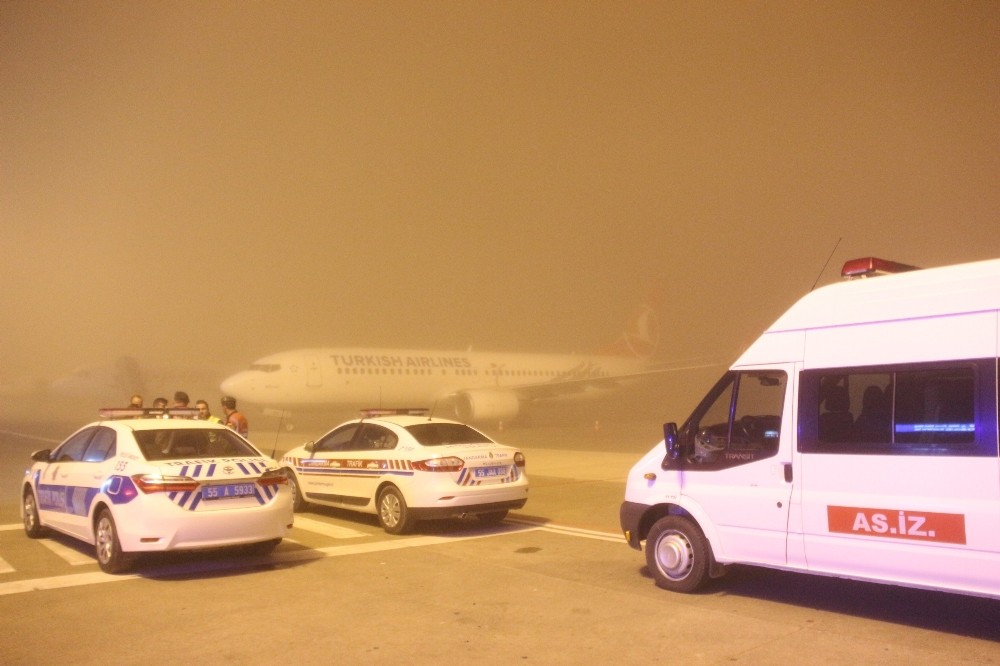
{"points": [[857, 437]]}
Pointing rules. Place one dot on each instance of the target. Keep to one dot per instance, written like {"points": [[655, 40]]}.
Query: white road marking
{"points": [[11, 526], [67, 554], [326, 529], [4, 567], [283, 557], [571, 531]]}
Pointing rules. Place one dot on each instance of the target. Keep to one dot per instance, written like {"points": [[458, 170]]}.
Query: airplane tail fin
{"points": [[641, 336]]}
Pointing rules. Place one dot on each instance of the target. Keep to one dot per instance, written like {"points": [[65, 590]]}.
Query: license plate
{"points": [[228, 491], [490, 472]]}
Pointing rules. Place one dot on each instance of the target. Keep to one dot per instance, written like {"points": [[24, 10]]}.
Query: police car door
{"points": [[322, 474], [371, 459], [738, 463], [73, 480]]}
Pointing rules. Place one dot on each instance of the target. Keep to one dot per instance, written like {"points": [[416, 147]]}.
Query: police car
{"points": [[142, 480], [405, 466]]}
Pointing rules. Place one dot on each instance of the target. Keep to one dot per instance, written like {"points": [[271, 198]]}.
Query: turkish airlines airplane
{"points": [[473, 386]]}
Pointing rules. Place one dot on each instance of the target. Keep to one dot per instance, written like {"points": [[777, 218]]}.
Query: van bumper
{"points": [[630, 517]]}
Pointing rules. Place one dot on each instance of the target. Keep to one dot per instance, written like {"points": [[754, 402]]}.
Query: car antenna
{"points": [[826, 263], [277, 432]]}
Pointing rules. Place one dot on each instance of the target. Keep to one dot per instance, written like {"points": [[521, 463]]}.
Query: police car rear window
{"points": [[439, 434], [180, 444]]}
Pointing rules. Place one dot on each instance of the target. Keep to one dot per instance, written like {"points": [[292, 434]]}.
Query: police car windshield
{"points": [[439, 434], [188, 443]]}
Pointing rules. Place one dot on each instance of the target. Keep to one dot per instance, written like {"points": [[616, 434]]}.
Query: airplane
{"points": [[469, 385]]}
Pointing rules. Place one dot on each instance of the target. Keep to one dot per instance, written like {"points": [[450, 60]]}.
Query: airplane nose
{"points": [[234, 385]]}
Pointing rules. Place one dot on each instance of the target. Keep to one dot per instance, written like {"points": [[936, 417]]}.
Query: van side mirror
{"points": [[671, 441]]}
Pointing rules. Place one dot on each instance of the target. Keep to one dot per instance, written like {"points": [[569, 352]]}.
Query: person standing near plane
{"points": [[234, 419], [136, 401], [205, 413], [181, 400]]}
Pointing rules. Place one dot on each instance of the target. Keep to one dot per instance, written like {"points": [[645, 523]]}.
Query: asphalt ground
{"points": [[554, 584]]}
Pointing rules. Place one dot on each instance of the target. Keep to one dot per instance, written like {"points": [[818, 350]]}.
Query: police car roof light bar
{"points": [[375, 412], [871, 266], [147, 412]]}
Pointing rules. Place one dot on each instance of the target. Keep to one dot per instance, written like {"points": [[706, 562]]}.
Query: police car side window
{"points": [[338, 440], [72, 449], [101, 447], [376, 438]]}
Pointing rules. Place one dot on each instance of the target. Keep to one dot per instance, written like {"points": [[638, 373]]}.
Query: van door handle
{"points": [[788, 472]]}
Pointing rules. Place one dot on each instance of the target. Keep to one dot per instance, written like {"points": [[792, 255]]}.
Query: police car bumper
{"points": [[427, 513], [191, 530]]}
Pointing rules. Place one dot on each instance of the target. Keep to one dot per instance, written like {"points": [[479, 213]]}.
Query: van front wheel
{"points": [[677, 554]]}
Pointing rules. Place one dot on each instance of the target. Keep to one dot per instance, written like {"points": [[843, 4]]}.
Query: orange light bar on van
{"points": [[871, 266]]}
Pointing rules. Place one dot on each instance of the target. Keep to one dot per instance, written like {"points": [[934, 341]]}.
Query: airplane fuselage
{"points": [[495, 382]]}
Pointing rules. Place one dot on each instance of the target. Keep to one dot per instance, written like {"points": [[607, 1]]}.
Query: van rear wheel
{"points": [[677, 554]]}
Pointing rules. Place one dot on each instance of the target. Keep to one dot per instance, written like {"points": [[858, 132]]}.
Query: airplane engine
{"points": [[486, 405]]}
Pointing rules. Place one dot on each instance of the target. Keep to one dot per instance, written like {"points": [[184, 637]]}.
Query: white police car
{"points": [[146, 480], [404, 466]]}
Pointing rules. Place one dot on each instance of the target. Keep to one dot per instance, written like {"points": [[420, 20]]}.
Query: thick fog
{"points": [[196, 185]]}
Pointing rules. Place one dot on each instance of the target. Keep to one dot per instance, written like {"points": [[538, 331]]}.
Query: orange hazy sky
{"points": [[204, 183]]}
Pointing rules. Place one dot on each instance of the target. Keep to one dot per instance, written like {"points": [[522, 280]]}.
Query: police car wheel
{"points": [[677, 554], [29, 512], [298, 502], [110, 556], [393, 515]]}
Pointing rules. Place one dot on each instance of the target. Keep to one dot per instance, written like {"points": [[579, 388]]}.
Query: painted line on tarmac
{"points": [[11, 526], [571, 531], [276, 558], [291, 557], [67, 554], [59, 582], [326, 529], [4, 567]]}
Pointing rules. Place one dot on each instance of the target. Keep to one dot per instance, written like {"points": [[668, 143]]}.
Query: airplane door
{"points": [[314, 371]]}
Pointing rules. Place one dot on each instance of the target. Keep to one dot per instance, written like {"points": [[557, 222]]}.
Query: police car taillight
{"points": [[154, 483], [273, 477], [870, 266], [519, 459], [448, 464]]}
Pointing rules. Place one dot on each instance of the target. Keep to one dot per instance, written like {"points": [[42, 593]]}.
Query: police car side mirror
{"points": [[671, 441], [41, 456], [310, 446]]}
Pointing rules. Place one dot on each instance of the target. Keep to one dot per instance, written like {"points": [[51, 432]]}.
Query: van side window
{"points": [[737, 423], [903, 410]]}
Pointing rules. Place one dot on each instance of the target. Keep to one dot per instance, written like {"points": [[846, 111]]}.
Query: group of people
{"points": [[234, 418]]}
